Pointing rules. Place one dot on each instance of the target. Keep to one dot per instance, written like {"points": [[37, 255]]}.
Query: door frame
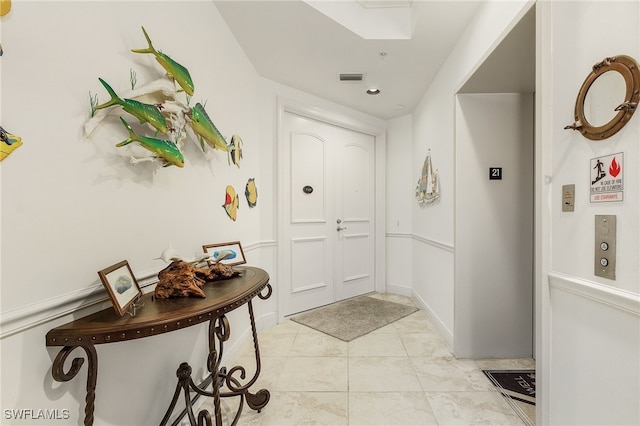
{"points": [[349, 121]]}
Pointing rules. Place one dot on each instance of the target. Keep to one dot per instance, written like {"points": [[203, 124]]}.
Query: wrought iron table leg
{"points": [[184, 385], [260, 399], [219, 332], [58, 373]]}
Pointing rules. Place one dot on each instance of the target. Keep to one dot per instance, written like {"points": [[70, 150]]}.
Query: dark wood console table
{"points": [[159, 316]]}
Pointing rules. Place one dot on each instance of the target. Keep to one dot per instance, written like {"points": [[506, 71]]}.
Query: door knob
{"points": [[340, 228]]}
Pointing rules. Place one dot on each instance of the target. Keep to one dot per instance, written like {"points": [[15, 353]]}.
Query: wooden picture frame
{"points": [[121, 285], [236, 257]]}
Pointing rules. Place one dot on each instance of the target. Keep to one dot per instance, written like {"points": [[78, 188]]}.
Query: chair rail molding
{"points": [[613, 297], [434, 243], [31, 315]]}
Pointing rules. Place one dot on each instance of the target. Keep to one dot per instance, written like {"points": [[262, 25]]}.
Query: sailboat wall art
{"points": [[428, 188]]}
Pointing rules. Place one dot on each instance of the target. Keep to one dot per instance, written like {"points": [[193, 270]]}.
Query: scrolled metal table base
{"points": [[58, 373], [219, 378]]}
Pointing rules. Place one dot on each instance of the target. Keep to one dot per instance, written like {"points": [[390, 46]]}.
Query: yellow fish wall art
{"points": [[235, 150], [251, 192], [5, 7], [8, 143], [231, 203]]}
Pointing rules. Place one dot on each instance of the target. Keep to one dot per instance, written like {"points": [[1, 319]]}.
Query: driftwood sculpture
{"points": [[183, 279]]}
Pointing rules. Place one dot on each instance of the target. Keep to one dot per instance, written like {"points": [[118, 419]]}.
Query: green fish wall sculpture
{"points": [[206, 130], [174, 70], [167, 150], [145, 113]]}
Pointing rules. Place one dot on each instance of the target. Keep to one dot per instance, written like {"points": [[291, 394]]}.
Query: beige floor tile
{"points": [[382, 374], [270, 370], [425, 344], [504, 364], [306, 408], [294, 408], [417, 322], [390, 408], [379, 344], [287, 326], [317, 344], [229, 406], [395, 298], [526, 410], [401, 374], [472, 408], [387, 329], [447, 374], [320, 374], [272, 344]]}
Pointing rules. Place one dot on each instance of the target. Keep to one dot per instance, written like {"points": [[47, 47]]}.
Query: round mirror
{"points": [[608, 98], [603, 97]]}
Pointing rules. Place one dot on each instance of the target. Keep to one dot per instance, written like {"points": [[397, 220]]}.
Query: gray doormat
{"points": [[353, 318]]}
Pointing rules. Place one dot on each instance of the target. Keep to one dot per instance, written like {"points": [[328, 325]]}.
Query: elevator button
{"points": [[604, 246], [604, 261]]}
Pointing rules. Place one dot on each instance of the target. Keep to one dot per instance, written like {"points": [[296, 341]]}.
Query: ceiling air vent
{"points": [[350, 77]]}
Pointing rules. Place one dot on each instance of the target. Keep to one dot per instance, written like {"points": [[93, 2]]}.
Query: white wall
{"points": [[592, 341], [573, 234], [494, 226], [433, 128], [72, 206], [571, 37], [400, 199], [77, 203], [595, 373]]}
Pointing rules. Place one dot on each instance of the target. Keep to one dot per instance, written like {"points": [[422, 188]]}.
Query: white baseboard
{"points": [[444, 331], [399, 289], [266, 321]]}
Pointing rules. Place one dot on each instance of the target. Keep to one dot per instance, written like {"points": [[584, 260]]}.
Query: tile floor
{"points": [[401, 374]]}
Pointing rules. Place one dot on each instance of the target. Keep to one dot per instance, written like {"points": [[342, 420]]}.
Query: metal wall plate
{"points": [[568, 197], [605, 246]]}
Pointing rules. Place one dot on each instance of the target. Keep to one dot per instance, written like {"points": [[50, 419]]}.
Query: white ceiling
{"points": [[511, 66], [292, 43]]}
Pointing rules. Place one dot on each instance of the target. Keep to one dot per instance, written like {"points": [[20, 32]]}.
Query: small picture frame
{"points": [[121, 285], [226, 253]]}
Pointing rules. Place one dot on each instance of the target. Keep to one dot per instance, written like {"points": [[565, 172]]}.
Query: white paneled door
{"points": [[329, 216]]}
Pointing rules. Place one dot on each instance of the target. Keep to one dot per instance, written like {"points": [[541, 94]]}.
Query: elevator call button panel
{"points": [[605, 246]]}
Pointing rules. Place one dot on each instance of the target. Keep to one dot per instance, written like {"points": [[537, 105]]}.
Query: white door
{"points": [[329, 217]]}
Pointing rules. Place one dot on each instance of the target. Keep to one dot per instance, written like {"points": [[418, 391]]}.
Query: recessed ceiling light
{"points": [[373, 91], [399, 106]]}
